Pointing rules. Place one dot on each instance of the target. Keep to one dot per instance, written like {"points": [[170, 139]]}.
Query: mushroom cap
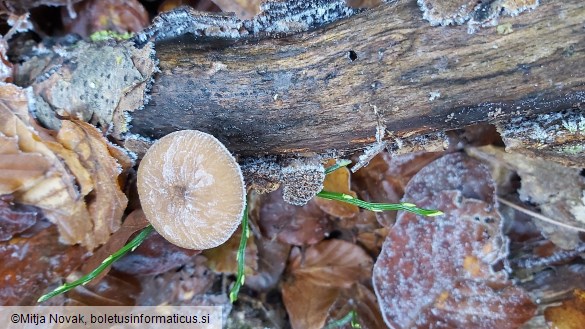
{"points": [[191, 189]]}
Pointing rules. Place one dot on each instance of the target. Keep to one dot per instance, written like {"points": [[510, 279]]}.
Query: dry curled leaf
{"points": [[569, 315], [317, 277], [59, 174], [105, 15], [440, 269], [54, 191], [107, 201]]}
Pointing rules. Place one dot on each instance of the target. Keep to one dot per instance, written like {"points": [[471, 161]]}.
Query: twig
{"points": [[539, 216]]}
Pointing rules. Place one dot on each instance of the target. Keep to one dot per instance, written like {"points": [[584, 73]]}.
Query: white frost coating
{"points": [[191, 189]]}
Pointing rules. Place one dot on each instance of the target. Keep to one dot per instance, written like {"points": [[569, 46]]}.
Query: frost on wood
{"points": [[297, 15], [276, 18], [558, 136], [302, 179], [482, 13], [185, 20], [90, 82], [440, 271]]}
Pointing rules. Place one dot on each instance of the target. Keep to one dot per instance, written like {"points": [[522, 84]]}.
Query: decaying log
{"points": [[331, 87], [342, 83]]}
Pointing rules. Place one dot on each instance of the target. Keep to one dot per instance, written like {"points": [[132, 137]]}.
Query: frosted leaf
{"points": [[438, 271]]}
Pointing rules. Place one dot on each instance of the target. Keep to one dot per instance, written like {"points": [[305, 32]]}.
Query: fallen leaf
{"points": [[105, 15], [33, 261], [133, 223], [154, 256], [331, 263], [244, 9], [337, 181], [558, 191], [107, 201], [569, 315], [272, 256], [317, 277], [187, 285], [307, 304], [440, 269], [56, 193], [19, 170], [22, 6], [362, 300], [223, 258], [115, 289], [289, 223], [15, 218]]}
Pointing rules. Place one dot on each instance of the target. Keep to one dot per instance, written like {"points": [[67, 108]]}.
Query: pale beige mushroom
{"points": [[191, 189]]}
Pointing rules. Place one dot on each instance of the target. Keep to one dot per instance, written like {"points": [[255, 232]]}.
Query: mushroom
{"points": [[191, 189]]}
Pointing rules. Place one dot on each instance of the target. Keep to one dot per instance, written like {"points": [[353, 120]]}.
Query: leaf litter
{"points": [[333, 247]]}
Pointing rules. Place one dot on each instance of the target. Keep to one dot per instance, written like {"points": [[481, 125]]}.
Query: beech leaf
{"points": [[440, 270]]}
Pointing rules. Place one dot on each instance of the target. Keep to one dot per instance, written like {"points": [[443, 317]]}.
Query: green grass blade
{"points": [[378, 206], [350, 317], [130, 246], [241, 257]]}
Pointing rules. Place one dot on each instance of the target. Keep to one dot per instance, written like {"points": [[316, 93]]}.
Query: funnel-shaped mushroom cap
{"points": [[191, 189]]}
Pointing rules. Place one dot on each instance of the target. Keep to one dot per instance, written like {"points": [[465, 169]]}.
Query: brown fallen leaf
{"points": [[56, 193], [362, 300], [291, 224], [337, 181], [440, 269], [244, 9], [558, 191], [132, 224], [223, 258], [569, 315], [107, 201], [115, 289], [317, 277], [15, 218], [105, 15], [33, 261]]}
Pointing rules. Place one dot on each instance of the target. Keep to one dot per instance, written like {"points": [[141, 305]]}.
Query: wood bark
{"points": [[330, 88]]}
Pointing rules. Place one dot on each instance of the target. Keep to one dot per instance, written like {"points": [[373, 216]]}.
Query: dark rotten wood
{"points": [[320, 90]]}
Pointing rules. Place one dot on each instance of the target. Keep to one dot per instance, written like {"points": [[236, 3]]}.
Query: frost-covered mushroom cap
{"points": [[191, 189]]}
